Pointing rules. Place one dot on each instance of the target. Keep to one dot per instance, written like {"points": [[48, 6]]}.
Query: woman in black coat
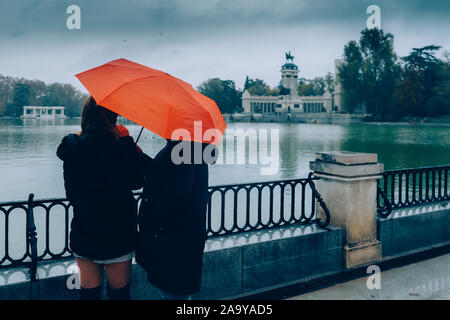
{"points": [[172, 221], [101, 168]]}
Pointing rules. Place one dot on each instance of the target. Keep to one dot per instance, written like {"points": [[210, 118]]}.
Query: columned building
{"points": [[39, 112], [288, 101]]}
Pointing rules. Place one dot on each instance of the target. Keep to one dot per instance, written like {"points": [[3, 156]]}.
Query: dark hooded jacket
{"points": [[100, 173], [172, 223]]}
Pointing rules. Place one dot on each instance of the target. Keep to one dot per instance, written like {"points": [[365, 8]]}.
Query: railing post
{"points": [[31, 238], [348, 185]]}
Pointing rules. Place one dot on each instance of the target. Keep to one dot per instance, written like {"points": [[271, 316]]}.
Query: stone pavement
{"points": [[428, 279]]}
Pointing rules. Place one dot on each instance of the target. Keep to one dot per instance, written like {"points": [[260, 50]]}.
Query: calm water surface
{"points": [[28, 162]]}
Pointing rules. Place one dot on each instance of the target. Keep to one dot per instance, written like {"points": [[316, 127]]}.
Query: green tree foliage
{"points": [[317, 86], [224, 93], [423, 78], [6, 92], [370, 73], [350, 75], [410, 96], [314, 87], [21, 97], [273, 92], [18, 92], [257, 87], [439, 103], [247, 83], [66, 95], [381, 71], [330, 82]]}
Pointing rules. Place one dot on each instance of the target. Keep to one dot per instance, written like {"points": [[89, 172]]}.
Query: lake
{"points": [[28, 161]]}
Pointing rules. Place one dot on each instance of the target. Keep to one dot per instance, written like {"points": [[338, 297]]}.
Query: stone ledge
{"points": [[347, 158], [344, 172]]}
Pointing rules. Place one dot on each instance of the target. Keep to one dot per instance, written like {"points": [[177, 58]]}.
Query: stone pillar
{"points": [[348, 184]]}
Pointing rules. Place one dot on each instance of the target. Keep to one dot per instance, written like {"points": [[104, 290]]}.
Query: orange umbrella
{"points": [[155, 100]]}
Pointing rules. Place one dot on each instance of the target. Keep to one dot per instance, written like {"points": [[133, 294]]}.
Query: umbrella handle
{"points": [[140, 132]]}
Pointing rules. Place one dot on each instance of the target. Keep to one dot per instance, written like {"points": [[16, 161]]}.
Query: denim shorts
{"points": [[123, 258]]}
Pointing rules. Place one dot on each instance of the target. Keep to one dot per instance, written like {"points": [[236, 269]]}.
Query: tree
{"points": [[273, 92], [20, 99], [350, 75], [410, 96], [370, 73], [330, 82], [439, 103], [257, 87], [6, 92], [420, 76], [380, 71], [66, 95], [247, 83], [17, 92], [223, 92], [421, 59], [314, 87]]}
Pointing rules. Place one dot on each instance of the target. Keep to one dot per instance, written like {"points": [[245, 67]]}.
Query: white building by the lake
{"points": [[40, 112], [289, 101]]}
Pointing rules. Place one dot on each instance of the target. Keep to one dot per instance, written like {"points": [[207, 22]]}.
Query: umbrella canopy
{"points": [[156, 100]]}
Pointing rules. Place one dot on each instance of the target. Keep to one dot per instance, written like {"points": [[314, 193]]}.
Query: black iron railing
{"points": [[235, 204], [231, 209], [410, 187]]}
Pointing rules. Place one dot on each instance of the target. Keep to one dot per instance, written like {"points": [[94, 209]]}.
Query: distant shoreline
{"points": [[418, 124], [237, 120], [20, 118], [333, 118]]}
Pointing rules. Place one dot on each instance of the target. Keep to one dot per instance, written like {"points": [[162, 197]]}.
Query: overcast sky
{"points": [[200, 39]]}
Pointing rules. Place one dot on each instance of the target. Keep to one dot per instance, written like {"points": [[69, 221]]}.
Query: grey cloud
{"points": [[197, 39], [192, 15]]}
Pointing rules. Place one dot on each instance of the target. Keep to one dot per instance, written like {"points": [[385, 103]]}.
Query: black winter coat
{"points": [[172, 224], [99, 175]]}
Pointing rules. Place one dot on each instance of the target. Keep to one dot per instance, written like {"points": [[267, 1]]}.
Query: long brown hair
{"points": [[98, 118]]}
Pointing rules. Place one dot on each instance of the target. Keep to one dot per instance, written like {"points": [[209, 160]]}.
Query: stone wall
{"points": [[414, 228]]}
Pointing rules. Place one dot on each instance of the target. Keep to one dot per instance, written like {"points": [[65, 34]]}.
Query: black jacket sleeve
{"points": [[134, 163]]}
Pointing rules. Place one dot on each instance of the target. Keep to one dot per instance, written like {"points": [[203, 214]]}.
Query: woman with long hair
{"points": [[102, 165]]}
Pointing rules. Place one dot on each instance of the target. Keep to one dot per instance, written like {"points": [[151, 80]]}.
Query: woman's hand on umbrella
{"points": [[123, 132]]}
